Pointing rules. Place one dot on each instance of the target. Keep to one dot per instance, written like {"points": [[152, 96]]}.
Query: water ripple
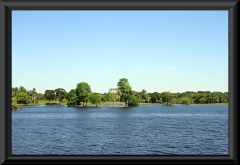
{"points": [[143, 130]]}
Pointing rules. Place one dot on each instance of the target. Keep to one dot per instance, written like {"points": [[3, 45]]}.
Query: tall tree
{"points": [[83, 92], [125, 89]]}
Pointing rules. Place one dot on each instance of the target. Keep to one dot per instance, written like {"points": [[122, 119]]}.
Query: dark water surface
{"points": [[143, 130]]}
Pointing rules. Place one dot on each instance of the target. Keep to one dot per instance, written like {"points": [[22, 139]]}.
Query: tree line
{"points": [[82, 95]]}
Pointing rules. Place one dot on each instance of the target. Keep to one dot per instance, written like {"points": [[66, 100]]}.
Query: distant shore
{"points": [[117, 104], [183, 104]]}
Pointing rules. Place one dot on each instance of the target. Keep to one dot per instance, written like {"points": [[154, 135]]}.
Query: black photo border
{"points": [[6, 7]]}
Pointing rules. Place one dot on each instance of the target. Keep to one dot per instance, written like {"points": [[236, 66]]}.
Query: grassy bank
{"points": [[44, 102]]}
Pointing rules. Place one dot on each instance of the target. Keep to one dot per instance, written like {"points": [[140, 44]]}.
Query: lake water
{"points": [[143, 130]]}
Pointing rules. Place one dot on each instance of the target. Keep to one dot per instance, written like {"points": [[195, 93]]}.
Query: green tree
{"points": [[143, 94], [201, 98], [14, 91], [50, 95], [72, 101], [22, 89], [70, 93], [184, 100], [188, 94], [33, 95], [72, 98], [154, 97], [225, 97], [168, 97], [105, 97], [60, 94], [15, 105], [83, 92], [95, 99], [217, 97], [22, 98], [40, 96], [125, 89], [221, 97], [133, 101], [137, 95], [209, 98]]}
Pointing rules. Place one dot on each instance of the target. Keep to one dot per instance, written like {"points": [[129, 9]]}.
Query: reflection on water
{"points": [[143, 130]]}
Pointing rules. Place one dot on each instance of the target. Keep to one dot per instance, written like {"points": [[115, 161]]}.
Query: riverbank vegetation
{"points": [[123, 95]]}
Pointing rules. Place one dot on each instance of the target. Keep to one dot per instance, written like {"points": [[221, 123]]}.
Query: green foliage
{"points": [[168, 98], [40, 96], [125, 89], [184, 100], [114, 95], [124, 93], [155, 97], [133, 101], [72, 101], [72, 98], [15, 105], [22, 89], [95, 99], [60, 94], [50, 95], [83, 92], [14, 91], [33, 95], [143, 95], [105, 97], [22, 98]]}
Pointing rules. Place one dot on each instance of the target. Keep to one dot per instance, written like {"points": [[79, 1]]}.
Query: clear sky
{"points": [[158, 51]]}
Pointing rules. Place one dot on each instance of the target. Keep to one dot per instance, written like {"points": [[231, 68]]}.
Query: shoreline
{"points": [[184, 104], [119, 104]]}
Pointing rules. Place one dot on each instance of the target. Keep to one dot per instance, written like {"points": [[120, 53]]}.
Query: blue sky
{"points": [[158, 51]]}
